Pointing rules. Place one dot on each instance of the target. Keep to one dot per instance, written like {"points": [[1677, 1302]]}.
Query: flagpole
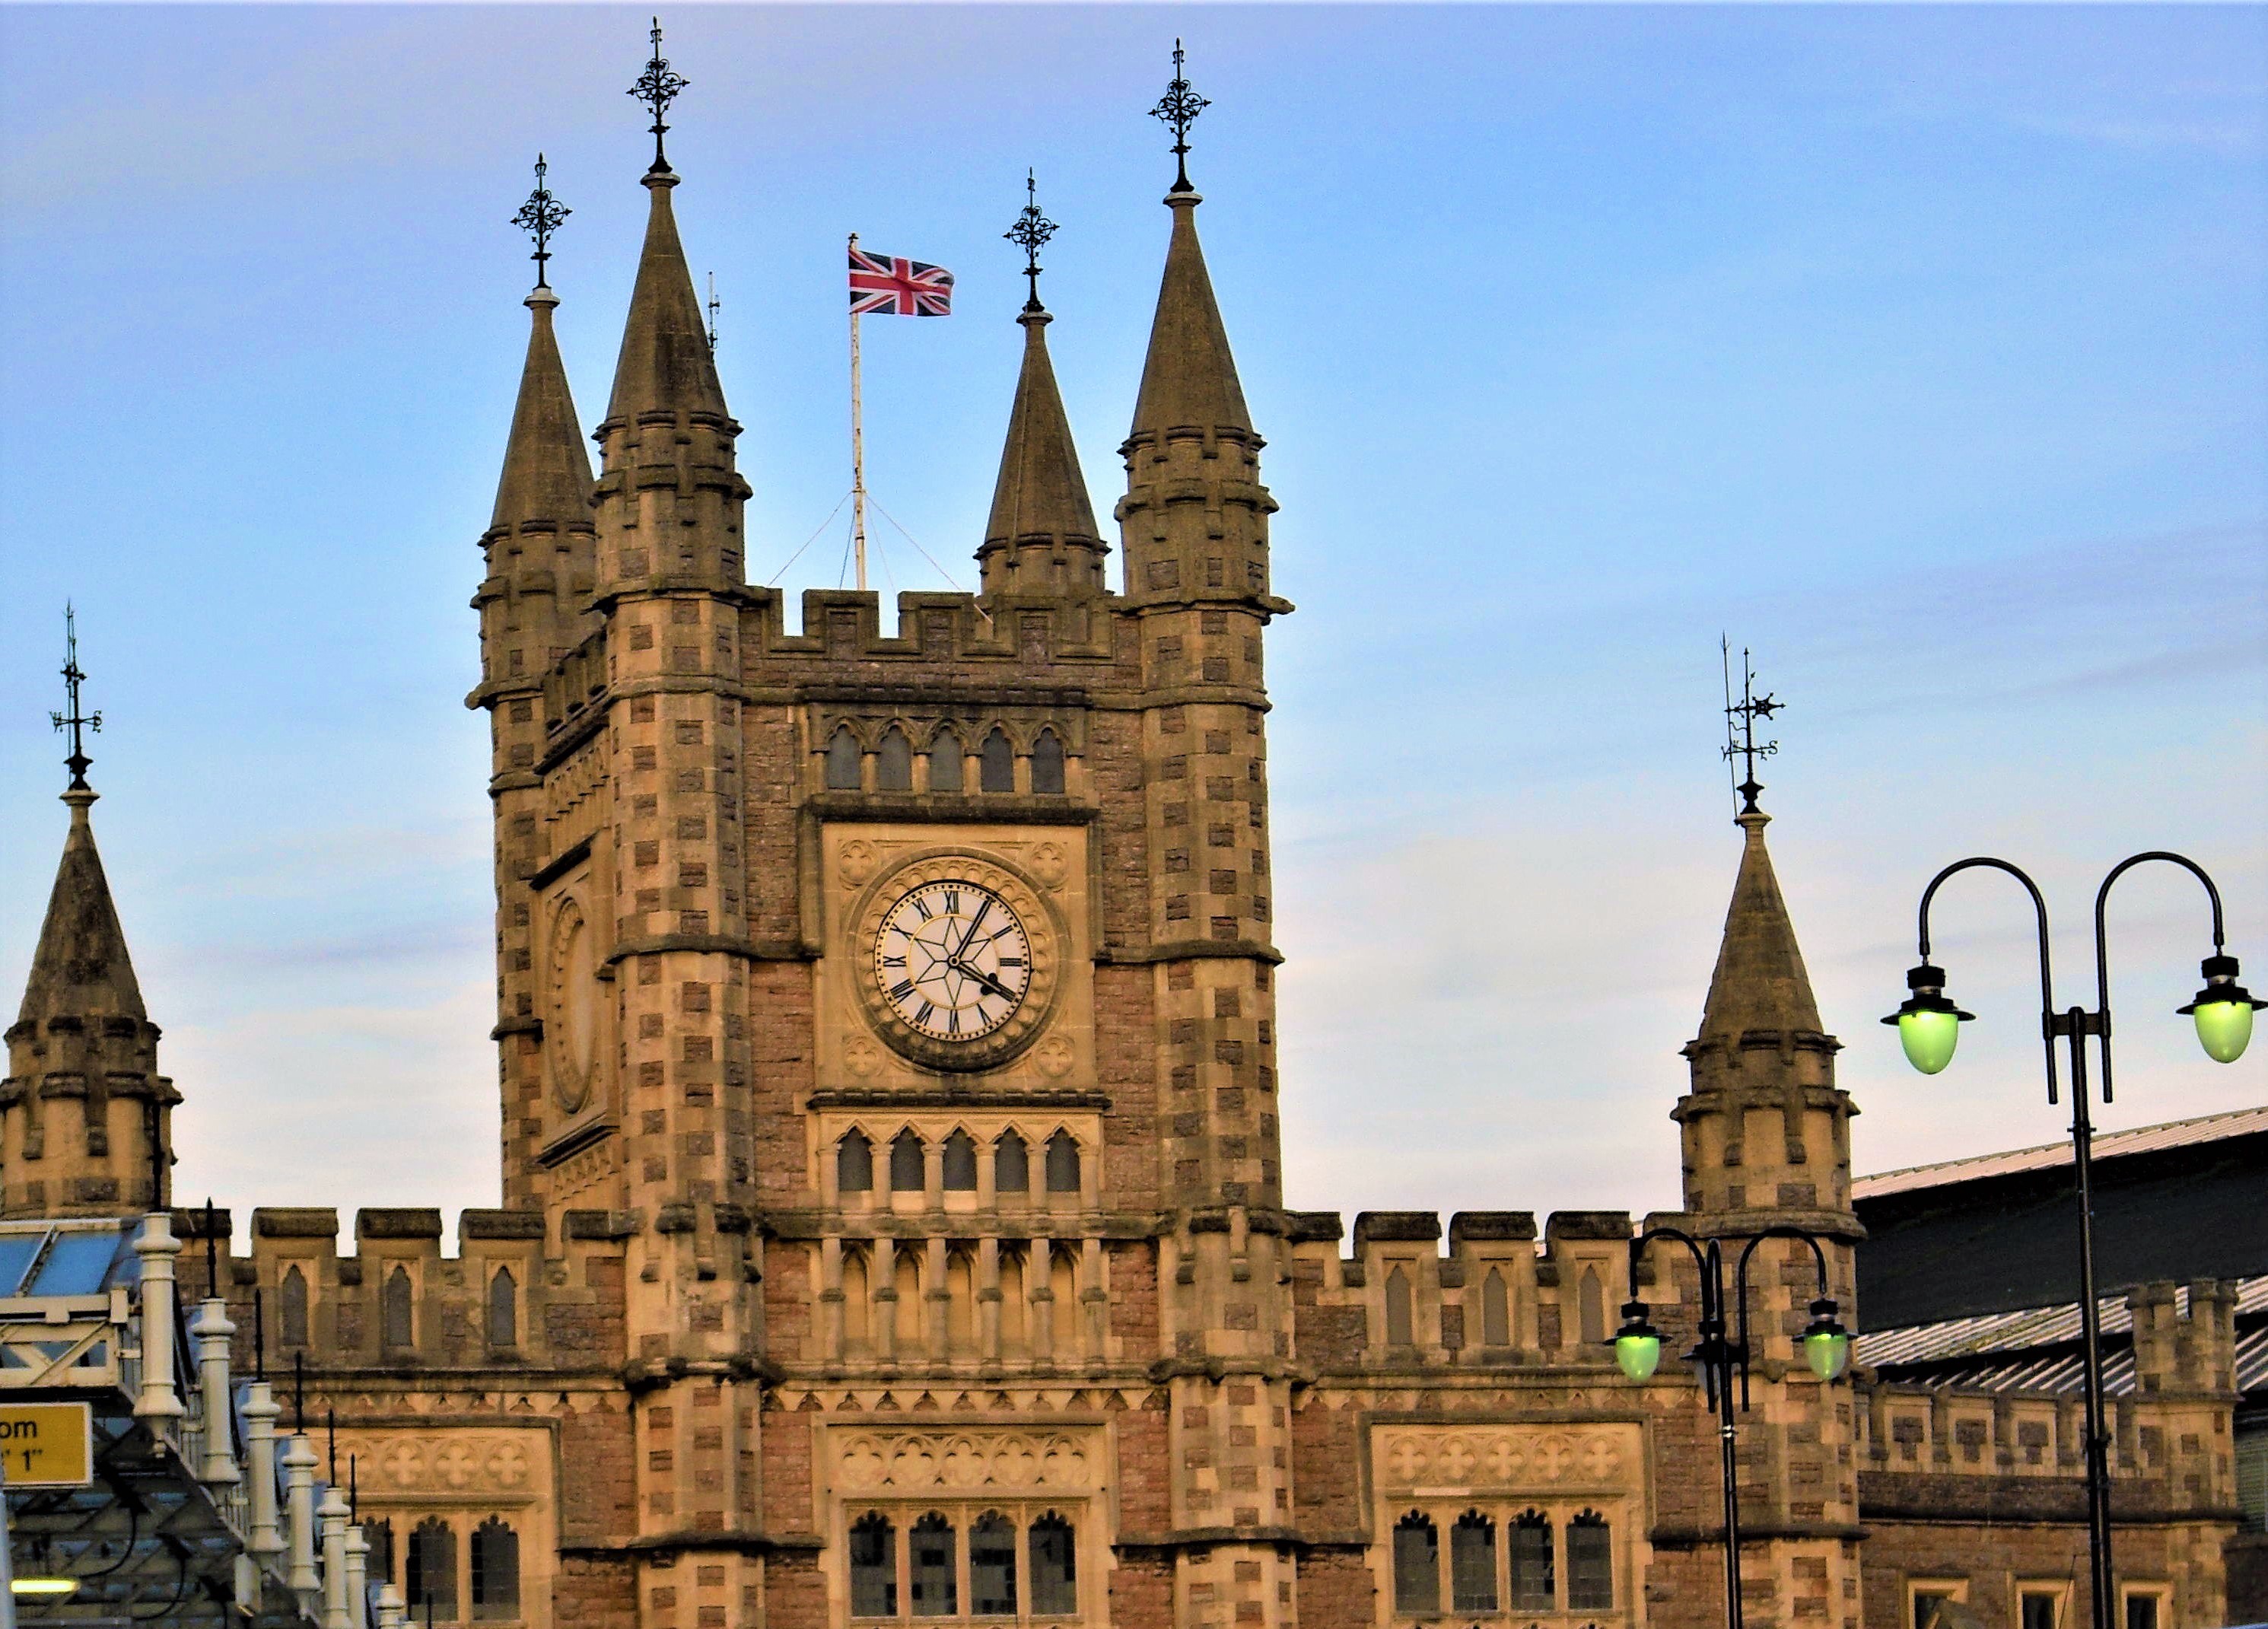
{"points": [[857, 452]]}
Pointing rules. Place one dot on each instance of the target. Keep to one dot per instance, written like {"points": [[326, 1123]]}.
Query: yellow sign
{"points": [[46, 1444]]}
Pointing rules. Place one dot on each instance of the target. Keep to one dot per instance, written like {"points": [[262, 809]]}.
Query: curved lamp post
{"points": [[1723, 1349], [1929, 1027]]}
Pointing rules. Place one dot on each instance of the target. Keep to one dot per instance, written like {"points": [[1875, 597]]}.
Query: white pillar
{"points": [[299, 1497], [157, 1247], [211, 1331], [357, 1576], [260, 1412], [391, 1612], [333, 1515]]}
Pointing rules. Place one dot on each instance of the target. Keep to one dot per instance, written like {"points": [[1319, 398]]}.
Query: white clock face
{"points": [[952, 960]]}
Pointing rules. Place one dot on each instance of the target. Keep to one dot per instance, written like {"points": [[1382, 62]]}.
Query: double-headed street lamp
{"points": [[1723, 1349], [1928, 1026]]}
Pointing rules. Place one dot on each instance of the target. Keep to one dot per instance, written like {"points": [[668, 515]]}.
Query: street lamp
{"points": [[1928, 1026], [1825, 1344]]}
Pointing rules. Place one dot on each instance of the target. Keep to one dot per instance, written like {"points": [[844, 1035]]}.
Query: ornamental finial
{"points": [[657, 87], [75, 721], [1032, 229], [1741, 726], [538, 217], [1178, 109]]}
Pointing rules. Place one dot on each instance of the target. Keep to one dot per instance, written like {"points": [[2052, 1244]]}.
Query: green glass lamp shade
{"points": [[1638, 1344], [1928, 1024], [1826, 1343], [2223, 1012]]}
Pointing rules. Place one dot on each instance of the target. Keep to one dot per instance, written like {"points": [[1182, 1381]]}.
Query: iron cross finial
{"points": [[1178, 109], [1741, 726], [656, 88], [538, 217], [75, 721], [1032, 229]]}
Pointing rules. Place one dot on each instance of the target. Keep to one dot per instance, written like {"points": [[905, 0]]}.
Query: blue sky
{"points": [[1924, 349]]}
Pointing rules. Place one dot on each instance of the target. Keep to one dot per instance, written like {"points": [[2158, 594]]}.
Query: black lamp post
{"points": [[1723, 1349], [1928, 1026]]}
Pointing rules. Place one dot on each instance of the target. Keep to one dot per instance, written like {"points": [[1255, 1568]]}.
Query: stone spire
{"points": [[1041, 537], [1759, 983], [83, 1036], [545, 482], [666, 365], [1189, 378]]}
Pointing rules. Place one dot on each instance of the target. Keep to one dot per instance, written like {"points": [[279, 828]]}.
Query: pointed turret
{"points": [[81, 968], [1041, 537], [1188, 378], [1760, 983], [666, 365], [547, 467]]}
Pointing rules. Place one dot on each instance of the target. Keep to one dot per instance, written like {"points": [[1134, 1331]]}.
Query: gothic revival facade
{"points": [[892, 1224]]}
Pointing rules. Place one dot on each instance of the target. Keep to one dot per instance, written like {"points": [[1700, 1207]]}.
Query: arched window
{"points": [[1472, 1564], [293, 1297], [1047, 762], [854, 1164], [1591, 1304], [894, 764], [503, 1309], [1055, 1568], [1532, 1588], [1496, 1311], [1012, 1165], [433, 1568], [1062, 1163], [961, 1166], [995, 770], [936, 1588], [874, 1567], [1590, 1563], [944, 761], [1400, 1324], [496, 1570], [992, 1566], [906, 1163], [1417, 1564], [378, 1535], [843, 761], [396, 1329]]}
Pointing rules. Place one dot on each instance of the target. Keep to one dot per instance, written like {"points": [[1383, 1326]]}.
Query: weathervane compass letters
{"points": [[1741, 726]]}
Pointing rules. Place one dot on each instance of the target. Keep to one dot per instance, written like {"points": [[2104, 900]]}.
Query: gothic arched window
{"points": [[1047, 762], [944, 761], [1062, 1163], [995, 770], [894, 764], [933, 1568], [1417, 1564], [1400, 1322], [1472, 1564], [1496, 1311], [503, 1309], [292, 1296], [843, 761], [874, 1567], [992, 1566], [960, 1164], [906, 1175], [378, 1535], [1055, 1568], [1591, 1306], [1012, 1165], [1531, 1563], [854, 1164], [1590, 1563], [496, 1570], [396, 1328], [433, 1568]]}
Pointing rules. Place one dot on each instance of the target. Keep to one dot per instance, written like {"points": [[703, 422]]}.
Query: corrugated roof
{"points": [[2108, 1146]]}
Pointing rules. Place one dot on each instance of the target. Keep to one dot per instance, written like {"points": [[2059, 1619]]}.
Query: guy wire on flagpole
{"points": [[857, 450]]}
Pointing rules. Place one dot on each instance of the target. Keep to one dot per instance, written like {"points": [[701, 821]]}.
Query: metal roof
{"points": [[2047, 1156]]}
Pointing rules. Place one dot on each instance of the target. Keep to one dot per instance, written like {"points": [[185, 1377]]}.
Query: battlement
{"points": [[511, 1298]]}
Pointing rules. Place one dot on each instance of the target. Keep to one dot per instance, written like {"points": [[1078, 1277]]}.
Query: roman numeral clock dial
{"points": [[952, 960]]}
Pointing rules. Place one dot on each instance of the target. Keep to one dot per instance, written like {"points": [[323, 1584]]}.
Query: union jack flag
{"points": [[898, 287]]}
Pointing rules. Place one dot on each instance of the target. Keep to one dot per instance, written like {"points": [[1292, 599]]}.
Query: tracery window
{"points": [[960, 1163], [854, 1164], [503, 1309], [1055, 1567], [496, 1570], [1012, 1165], [1472, 1564], [1533, 1587], [1019, 1564], [893, 762], [992, 1566], [933, 1568], [1047, 762], [874, 1567], [1590, 1563], [378, 1535], [945, 772], [1062, 1163], [842, 757], [433, 1571], [995, 769], [906, 1163], [1417, 1564]]}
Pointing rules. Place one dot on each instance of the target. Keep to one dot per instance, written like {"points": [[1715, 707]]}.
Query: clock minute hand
{"points": [[961, 948]]}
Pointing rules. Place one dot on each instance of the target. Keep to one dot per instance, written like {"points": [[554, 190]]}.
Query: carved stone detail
{"points": [[917, 1461], [1511, 1458], [451, 1461]]}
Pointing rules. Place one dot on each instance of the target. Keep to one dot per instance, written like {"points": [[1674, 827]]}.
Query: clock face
{"points": [[952, 960]]}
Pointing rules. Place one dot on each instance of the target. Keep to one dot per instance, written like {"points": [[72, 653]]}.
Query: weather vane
{"points": [[715, 306], [538, 217], [1179, 108], [1741, 726], [1032, 229], [75, 721], [656, 88]]}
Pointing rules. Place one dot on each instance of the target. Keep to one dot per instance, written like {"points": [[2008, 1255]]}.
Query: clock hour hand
{"points": [[985, 981]]}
